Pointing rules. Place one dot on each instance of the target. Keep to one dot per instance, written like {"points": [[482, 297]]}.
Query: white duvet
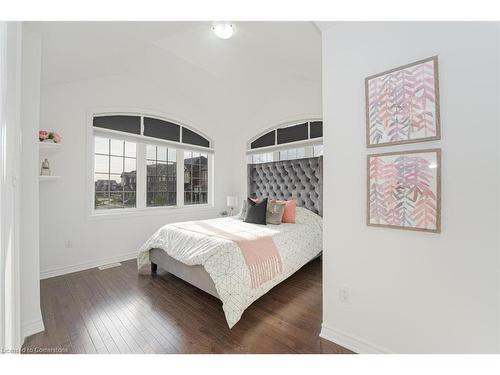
{"points": [[297, 244]]}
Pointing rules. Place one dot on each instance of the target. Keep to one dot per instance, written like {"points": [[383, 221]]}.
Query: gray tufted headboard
{"points": [[301, 179]]}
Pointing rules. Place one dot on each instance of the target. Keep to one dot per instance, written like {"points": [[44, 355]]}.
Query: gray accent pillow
{"points": [[275, 211], [256, 212]]}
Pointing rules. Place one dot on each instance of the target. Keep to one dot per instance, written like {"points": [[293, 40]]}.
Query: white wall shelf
{"points": [[48, 178], [49, 146]]}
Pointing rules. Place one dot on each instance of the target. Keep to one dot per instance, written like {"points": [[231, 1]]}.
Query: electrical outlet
{"points": [[68, 244], [344, 294]]}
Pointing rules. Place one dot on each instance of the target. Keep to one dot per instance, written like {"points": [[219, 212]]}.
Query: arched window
{"points": [[295, 140], [142, 161]]}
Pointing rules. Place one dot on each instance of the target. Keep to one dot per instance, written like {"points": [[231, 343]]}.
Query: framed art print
{"points": [[404, 190], [402, 104]]}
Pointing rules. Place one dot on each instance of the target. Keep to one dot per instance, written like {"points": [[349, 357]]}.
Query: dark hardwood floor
{"points": [[118, 311]]}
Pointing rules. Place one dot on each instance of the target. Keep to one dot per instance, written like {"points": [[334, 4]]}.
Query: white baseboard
{"points": [[350, 342], [58, 271], [32, 328]]}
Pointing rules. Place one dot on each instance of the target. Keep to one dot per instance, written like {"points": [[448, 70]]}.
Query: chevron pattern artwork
{"points": [[402, 104]]}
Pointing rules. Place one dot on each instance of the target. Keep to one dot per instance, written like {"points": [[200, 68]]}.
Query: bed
{"points": [[204, 254]]}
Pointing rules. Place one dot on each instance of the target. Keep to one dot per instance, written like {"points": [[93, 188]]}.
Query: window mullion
{"points": [[141, 175], [180, 177], [210, 182], [109, 170], [123, 174]]}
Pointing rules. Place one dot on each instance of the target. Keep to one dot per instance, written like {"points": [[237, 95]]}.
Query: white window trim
{"points": [[142, 141]]}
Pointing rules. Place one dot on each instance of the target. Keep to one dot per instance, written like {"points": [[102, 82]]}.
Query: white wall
{"points": [[414, 292], [63, 208], [295, 100], [10, 290], [31, 317]]}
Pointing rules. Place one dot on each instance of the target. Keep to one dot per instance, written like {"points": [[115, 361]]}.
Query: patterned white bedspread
{"points": [[297, 244]]}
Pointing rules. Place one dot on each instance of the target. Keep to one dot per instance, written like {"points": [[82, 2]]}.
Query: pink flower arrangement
{"points": [[44, 135], [57, 138]]}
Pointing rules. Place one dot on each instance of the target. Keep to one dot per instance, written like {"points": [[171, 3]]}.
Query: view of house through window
{"points": [[114, 173], [195, 178], [161, 176]]}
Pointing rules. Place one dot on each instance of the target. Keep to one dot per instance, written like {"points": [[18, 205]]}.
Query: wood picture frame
{"points": [[404, 190], [402, 104]]}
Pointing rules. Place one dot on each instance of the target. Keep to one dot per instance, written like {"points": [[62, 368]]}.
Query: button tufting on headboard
{"points": [[281, 179]]}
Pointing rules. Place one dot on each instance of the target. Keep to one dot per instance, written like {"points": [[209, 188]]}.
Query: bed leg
{"points": [[154, 267]]}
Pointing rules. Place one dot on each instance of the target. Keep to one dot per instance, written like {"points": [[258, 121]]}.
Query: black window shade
{"points": [[161, 129], [316, 129], [292, 133], [264, 141], [192, 138], [122, 123]]}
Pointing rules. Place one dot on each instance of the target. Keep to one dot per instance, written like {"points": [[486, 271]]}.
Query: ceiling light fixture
{"points": [[223, 30]]}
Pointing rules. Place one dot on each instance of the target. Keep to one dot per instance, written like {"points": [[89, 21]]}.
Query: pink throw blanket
{"points": [[259, 251]]}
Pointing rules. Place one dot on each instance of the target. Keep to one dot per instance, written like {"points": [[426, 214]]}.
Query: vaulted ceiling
{"points": [[81, 50], [261, 59]]}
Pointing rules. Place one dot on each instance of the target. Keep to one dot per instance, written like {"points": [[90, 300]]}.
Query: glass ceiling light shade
{"points": [[223, 30]]}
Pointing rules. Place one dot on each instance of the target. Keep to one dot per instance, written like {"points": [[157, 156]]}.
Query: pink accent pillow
{"points": [[290, 208]]}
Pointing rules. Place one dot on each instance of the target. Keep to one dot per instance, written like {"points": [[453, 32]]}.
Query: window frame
{"points": [[184, 174], [141, 142], [109, 156], [167, 161], [307, 144]]}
